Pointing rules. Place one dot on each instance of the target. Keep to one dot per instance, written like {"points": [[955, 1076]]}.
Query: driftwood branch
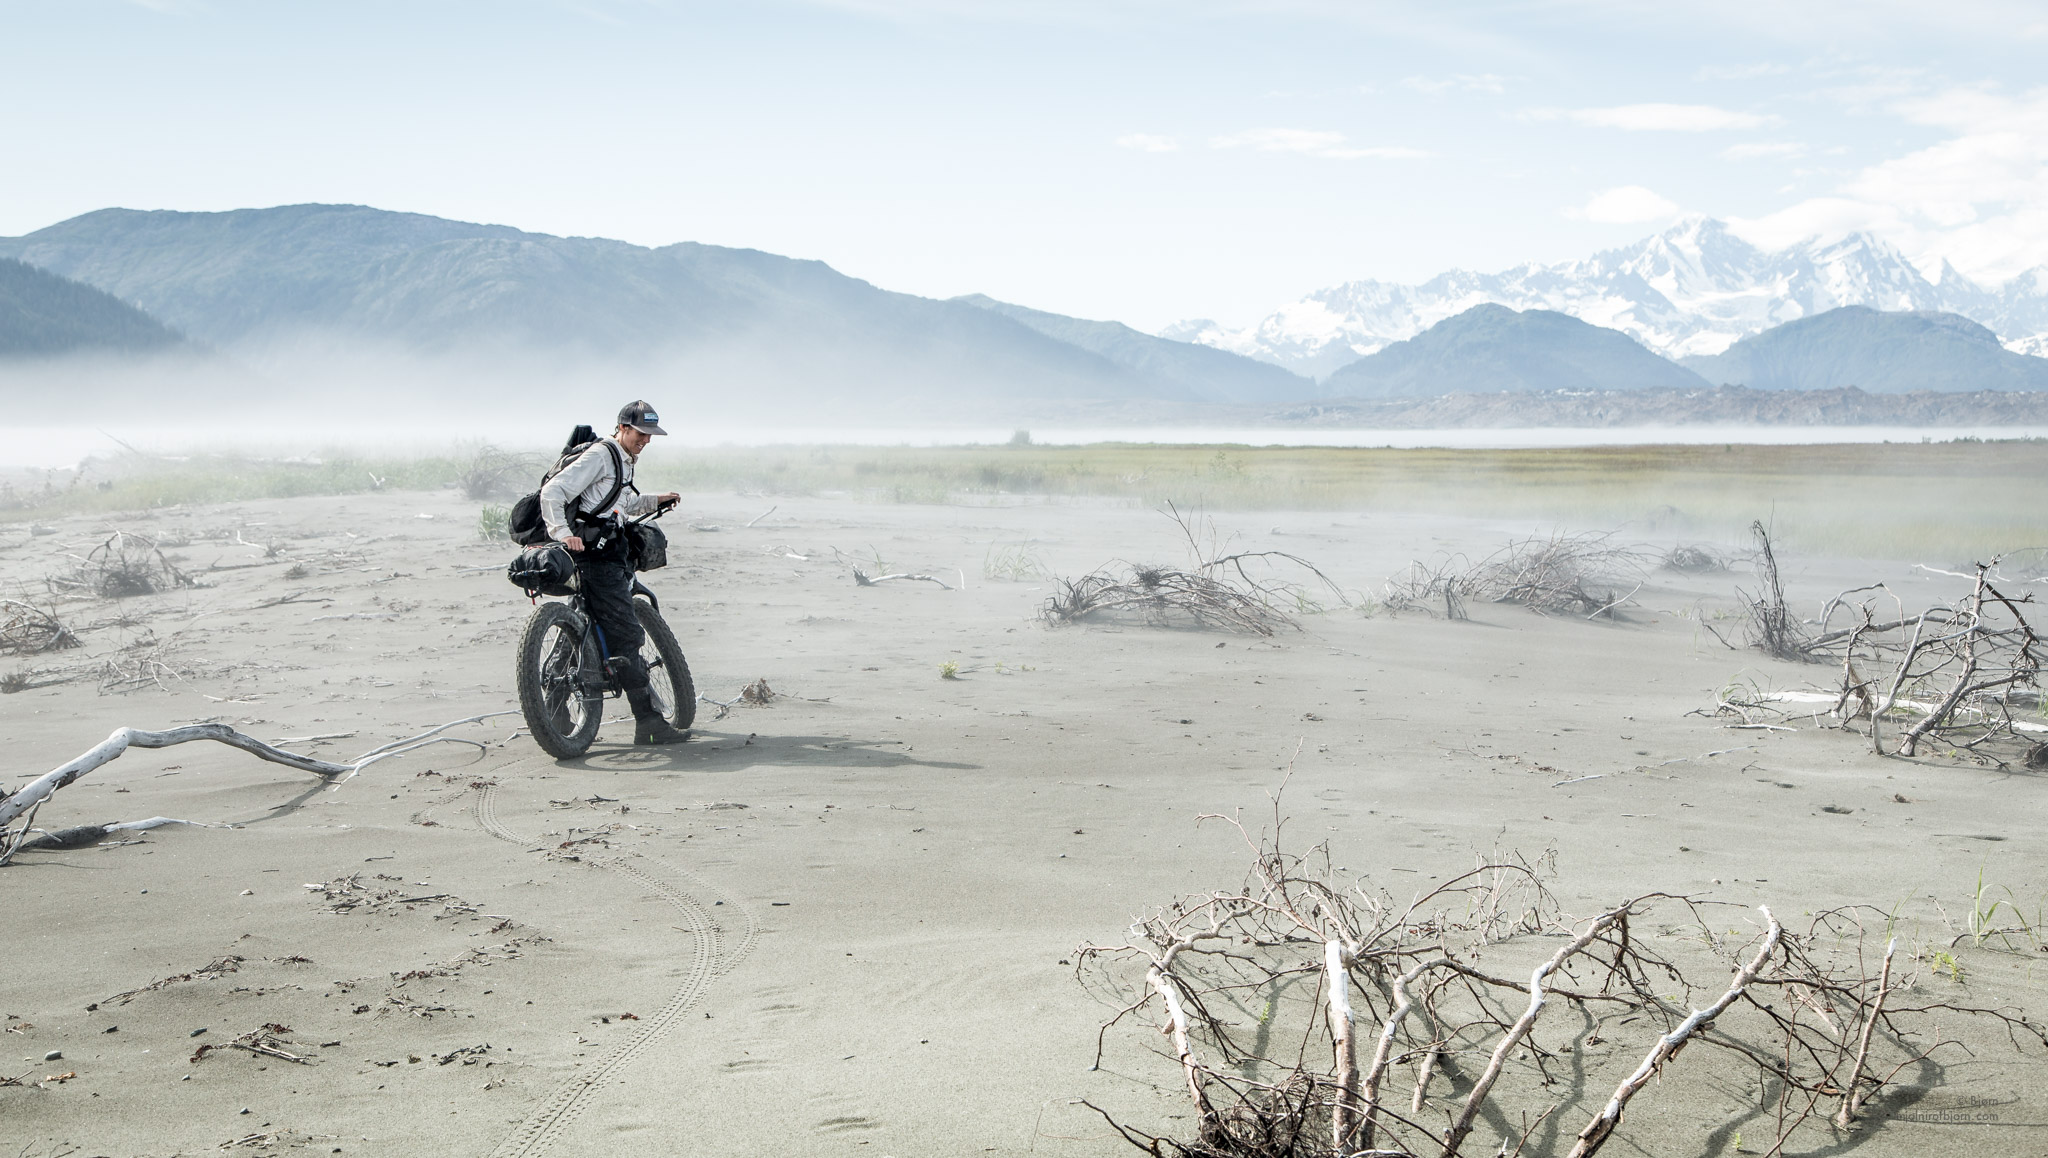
{"points": [[1455, 1136], [1333, 958], [1337, 982], [1854, 1102], [1962, 673], [82, 835], [1602, 1126], [863, 579], [33, 794], [122, 739], [1383, 1053]]}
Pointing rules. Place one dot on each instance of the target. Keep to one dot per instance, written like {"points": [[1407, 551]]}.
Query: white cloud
{"points": [[1756, 150], [1978, 199], [1149, 143], [1658, 118], [1313, 143], [1485, 82], [1627, 205]]}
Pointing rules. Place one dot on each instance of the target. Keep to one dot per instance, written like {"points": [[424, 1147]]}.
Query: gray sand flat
{"points": [[842, 923]]}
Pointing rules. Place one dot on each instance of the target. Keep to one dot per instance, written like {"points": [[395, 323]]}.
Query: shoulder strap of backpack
{"points": [[618, 477]]}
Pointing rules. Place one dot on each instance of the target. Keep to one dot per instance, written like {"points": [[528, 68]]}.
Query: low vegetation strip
{"points": [[1903, 499]]}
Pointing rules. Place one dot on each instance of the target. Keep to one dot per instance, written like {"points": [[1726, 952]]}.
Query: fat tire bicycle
{"points": [[564, 681]]}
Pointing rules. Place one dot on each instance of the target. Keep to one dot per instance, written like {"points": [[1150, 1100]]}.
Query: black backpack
{"points": [[526, 527]]}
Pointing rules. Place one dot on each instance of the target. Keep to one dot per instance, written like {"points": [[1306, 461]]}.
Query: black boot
{"points": [[649, 726]]}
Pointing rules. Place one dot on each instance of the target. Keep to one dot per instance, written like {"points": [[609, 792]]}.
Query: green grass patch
{"points": [[132, 484], [1939, 502]]}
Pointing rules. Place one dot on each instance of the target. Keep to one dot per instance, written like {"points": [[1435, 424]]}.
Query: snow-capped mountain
{"points": [[1693, 289]]}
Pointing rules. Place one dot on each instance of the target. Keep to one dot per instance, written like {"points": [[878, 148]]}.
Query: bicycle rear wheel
{"points": [[668, 672], [562, 710]]}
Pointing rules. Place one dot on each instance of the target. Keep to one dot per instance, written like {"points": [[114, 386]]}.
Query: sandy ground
{"points": [[843, 923]]}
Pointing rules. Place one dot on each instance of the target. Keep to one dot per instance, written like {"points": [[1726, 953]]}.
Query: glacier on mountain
{"points": [[1693, 289]]}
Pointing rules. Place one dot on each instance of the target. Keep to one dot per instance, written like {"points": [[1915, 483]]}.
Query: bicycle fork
{"points": [[596, 674]]}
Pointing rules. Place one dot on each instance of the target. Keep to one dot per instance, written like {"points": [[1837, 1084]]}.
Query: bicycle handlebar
{"points": [[656, 513]]}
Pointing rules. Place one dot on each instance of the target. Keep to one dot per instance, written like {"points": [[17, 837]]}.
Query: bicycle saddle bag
{"points": [[545, 570], [650, 546]]}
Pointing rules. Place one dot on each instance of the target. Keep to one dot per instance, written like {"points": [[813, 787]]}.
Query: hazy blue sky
{"points": [[1118, 158]]}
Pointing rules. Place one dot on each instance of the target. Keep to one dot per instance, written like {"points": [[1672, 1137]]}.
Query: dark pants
{"points": [[607, 581]]}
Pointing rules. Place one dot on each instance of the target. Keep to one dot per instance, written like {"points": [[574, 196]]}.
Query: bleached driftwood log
{"points": [[1337, 982], [15, 805], [863, 579], [111, 748], [81, 835]]}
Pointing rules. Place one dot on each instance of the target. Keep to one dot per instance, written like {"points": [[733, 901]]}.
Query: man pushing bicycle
{"points": [[585, 507]]}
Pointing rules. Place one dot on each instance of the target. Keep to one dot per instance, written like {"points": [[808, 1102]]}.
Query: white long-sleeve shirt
{"points": [[586, 481]]}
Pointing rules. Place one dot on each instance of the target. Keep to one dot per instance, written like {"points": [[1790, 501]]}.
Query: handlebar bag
{"points": [[650, 546]]}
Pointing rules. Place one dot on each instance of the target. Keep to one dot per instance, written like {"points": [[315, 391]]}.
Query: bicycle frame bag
{"points": [[650, 546], [548, 570], [525, 525]]}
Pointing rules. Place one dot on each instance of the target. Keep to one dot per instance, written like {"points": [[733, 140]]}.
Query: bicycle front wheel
{"points": [[561, 711]]}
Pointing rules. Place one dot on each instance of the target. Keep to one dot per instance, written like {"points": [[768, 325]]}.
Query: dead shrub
{"points": [[1695, 559], [1773, 628], [26, 629], [124, 565], [499, 474], [1247, 591], [1585, 574]]}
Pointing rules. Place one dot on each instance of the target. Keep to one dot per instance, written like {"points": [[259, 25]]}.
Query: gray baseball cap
{"points": [[640, 416]]}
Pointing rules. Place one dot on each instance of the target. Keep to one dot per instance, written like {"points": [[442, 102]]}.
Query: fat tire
{"points": [[667, 662], [534, 690]]}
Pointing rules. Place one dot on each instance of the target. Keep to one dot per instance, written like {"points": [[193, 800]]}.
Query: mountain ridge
{"points": [[292, 285], [1883, 353], [1694, 288], [44, 315], [1492, 348], [1220, 376], [342, 299]]}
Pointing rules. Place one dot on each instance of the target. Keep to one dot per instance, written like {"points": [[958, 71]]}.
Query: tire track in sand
{"points": [[709, 958]]}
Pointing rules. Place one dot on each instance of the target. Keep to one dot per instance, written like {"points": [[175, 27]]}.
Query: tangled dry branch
{"points": [[493, 473], [1247, 591], [26, 629], [1297, 1004], [124, 565], [1773, 628], [1584, 574], [1965, 673]]}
